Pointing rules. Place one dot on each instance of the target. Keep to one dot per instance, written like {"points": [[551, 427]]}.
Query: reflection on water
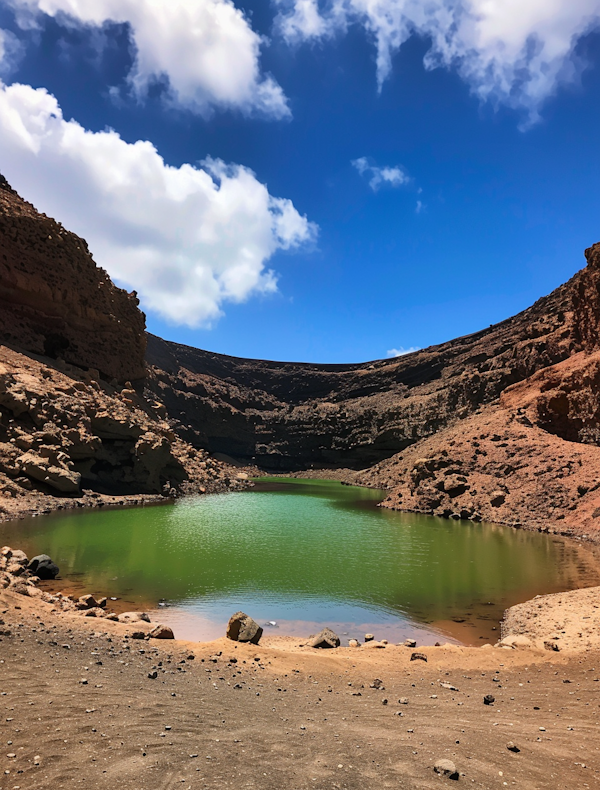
{"points": [[305, 553]]}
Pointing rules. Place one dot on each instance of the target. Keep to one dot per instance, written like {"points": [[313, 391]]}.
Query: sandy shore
{"points": [[80, 709]]}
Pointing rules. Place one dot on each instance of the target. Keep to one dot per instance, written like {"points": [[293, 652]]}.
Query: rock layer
{"points": [[55, 301]]}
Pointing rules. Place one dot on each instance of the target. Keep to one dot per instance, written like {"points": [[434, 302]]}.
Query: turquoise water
{"points": [[303, 554]]}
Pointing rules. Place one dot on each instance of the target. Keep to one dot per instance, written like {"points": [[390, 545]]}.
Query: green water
{"points": [[305, 553]]}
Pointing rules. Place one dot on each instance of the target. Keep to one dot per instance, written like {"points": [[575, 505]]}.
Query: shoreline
{"points": [[108, 706]]}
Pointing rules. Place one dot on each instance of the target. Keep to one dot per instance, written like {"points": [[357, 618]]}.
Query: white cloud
{"points": [[401, 352], [187, 239], [206, 49], [513, 51], [11, 51], [378, 176]]}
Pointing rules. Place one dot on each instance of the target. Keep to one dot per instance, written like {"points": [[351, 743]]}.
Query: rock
{"points": [[353, 643], [446, 768], [377, 684], [15, 569], [161, 632], [512, 747], [42, 469], [418, 657], [373, 645], [133, 617], [403, 701], [87, 602], [242, 628], [138, 634], [489, 699], [18, 557], [325, 638], [369, 637], [95, 611], [551, 645], [516, 641], [497, 498], [153, 675], [448, 686], [43, 567], [410, 642]]}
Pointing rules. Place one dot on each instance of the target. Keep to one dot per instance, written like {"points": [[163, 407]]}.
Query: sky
{"points": [[327, 181]]}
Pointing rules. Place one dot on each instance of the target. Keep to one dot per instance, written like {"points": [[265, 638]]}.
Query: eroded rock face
{"points": [[55, 301], [292, 416]]}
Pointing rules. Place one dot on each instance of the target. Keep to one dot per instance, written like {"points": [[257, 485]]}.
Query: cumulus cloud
{"points": [[401, 352], [187, 239], [205, 49], [514, 51], [378, 176]]}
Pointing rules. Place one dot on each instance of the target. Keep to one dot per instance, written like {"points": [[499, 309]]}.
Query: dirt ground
{"points": [[78, 709]]}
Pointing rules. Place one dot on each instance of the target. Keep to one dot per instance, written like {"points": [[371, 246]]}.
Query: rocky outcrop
{"points": [[56, 302], [67, 438]]}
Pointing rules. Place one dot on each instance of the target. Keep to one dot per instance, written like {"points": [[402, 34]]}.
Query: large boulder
{"points": [[325, 638], [43, 567], [242, 628]]}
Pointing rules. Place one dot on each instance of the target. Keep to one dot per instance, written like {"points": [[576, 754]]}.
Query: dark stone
{"points": [[43, 567], [418, 657], [489, 700]]}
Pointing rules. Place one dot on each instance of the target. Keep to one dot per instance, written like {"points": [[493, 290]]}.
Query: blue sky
{"points": [[478, 191]]}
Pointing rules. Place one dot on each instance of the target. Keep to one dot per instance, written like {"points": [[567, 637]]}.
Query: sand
{"points": [[80, 710]]}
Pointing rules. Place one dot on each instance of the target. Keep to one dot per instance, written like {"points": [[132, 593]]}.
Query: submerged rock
{"points": [[324, 639], [242, 628]]}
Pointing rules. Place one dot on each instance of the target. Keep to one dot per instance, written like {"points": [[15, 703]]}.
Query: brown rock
{"points": [[242, 628], [161, 632], [60, 303], [324, 639]]}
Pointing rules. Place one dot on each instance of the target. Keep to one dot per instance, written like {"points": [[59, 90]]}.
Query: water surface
{"points": [[305, 553]]}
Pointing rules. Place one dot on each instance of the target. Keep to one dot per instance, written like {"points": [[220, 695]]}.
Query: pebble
{"points": [[512, 747], [418, 657], [489, 699], [403, 701]]}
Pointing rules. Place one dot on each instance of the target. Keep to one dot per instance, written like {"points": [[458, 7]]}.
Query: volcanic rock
{"points": [[161, 632], [324, 639], [242, 628], [43, 567], [56, 302]]}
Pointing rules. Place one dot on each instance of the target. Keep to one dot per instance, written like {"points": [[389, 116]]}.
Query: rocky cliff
{"points": [[288, 416], [73, 429], [56, 302]]}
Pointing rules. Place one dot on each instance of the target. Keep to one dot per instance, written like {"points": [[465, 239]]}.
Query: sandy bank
{"points": [[82, 708]]}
